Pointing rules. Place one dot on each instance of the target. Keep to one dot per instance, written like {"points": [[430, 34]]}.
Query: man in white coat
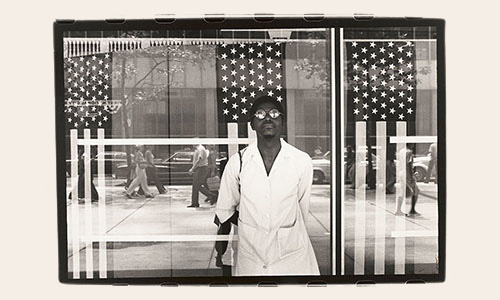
{"points": [[271, 191]]}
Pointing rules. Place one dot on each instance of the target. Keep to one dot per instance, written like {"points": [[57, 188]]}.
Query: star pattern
{"points": [[382, 83], [88, 90], [246, 71]]}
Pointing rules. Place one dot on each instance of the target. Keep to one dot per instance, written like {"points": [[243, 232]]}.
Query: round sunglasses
{"points": [[261, 114]]}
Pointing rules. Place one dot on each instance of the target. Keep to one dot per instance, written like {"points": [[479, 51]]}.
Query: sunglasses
{"points": [[261, 114]]}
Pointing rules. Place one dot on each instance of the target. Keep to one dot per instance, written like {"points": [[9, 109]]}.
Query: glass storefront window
{"points": [[167, 91], [390, 148]]}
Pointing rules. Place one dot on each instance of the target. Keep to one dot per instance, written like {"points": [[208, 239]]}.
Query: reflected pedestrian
{"points": [[406, 156], [140, 175], [212, 170], [349, 165], [199, 170], [94, 195], [151, 171], [318, 151], [432, 163]]}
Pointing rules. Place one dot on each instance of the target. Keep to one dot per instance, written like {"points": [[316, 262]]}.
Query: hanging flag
{"points": [[246, 71], [381, 79], [88, 92], [382, 84]]}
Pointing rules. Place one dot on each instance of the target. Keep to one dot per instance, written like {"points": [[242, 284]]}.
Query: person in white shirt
{"points": [[200, 173], [271, 193]]}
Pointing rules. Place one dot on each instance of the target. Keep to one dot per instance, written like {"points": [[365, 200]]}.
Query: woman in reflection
{"points": [[140, 174], [405, 155]]}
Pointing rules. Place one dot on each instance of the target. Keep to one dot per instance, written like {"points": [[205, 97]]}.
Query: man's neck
{"points": [[269, 146]]}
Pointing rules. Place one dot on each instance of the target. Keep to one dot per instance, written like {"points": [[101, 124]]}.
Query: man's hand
{"points": [[191, 171]]}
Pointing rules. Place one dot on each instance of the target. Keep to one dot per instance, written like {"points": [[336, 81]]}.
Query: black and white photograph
{"points": [[390, 140], [195, 153], [252, 152], [277, 149]]}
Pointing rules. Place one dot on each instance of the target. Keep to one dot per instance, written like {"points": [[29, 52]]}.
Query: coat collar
{"points": [[285, 151]]}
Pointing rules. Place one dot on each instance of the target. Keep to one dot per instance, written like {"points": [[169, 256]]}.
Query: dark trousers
{"points": [[200, 185], [81, 188], [151, 173]]}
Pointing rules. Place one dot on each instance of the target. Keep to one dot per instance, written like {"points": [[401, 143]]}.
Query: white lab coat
{"points": [[272, 236]]}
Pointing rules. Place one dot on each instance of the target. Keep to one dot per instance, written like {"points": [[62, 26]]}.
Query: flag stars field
{"points": [[260, 69], [385, 74], [87, 82]]}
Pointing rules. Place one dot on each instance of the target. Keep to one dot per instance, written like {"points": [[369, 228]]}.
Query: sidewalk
{"points": [[165, 238], [420, 233], [148, 222]]}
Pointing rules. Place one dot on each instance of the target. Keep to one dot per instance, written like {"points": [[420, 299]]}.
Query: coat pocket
{"points": [[290, 240], [247, 235]]}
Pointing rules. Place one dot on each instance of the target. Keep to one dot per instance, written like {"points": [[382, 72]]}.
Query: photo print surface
{"points": [[230, 153], [390, 190], [160, 97]]}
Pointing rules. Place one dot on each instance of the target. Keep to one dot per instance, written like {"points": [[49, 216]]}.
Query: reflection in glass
{"points": [[389, 111], [150, 88]]}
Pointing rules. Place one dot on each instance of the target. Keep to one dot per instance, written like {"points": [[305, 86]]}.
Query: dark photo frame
{"points": [[364, 98]]}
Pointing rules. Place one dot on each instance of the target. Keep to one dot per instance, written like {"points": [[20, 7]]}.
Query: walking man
{"points": [[151, 171], [199, 170]]}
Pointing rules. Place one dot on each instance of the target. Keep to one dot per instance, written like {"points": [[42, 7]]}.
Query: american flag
{"points": [[381, 102], [381, 78], [87, 83], [246, 71]]}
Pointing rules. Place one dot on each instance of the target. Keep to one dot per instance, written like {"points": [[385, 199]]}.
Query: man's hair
{"points": [[262, 100]]}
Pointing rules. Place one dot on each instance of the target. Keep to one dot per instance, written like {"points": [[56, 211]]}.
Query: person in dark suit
{"points": [[81, 178]]}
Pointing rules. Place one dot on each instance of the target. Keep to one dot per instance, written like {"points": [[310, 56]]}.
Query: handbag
{"points": [[213, 183]]}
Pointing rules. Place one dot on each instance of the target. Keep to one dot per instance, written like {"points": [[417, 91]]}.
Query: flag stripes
{"points": [[400, 242], [379, 101], [360, 200], [101, 185], [89, 263], [380, 199]]}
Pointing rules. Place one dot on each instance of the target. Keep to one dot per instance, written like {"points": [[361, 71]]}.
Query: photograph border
{"points": [[215, 22]]}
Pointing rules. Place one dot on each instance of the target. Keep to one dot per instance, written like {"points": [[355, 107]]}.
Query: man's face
{"points": [[268, 127]]}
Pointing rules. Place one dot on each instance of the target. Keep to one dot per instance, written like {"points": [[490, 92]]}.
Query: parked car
{"points": [[112, 159], [421, 167], [173, 170], [321, 168]]}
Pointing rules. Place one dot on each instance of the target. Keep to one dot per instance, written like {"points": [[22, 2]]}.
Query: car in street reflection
{"points": [[321, 168], [421, 167], [174, 170], [112, 159]]}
